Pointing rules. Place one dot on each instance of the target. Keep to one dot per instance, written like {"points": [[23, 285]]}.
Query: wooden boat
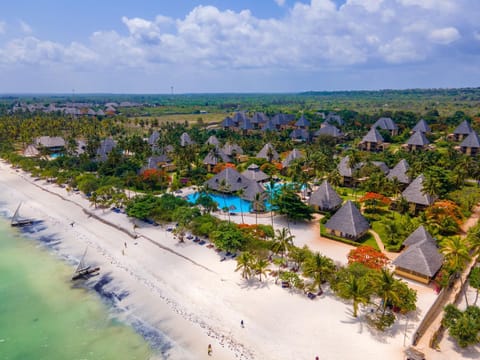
{"points": [[83, 271], [17, 221]]}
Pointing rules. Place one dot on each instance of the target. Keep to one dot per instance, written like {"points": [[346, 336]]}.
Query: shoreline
{"points": [[187, 294]]}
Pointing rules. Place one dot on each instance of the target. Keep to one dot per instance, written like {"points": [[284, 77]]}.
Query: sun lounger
{"points": [[285, 284], [202, 242], [311, 296]]}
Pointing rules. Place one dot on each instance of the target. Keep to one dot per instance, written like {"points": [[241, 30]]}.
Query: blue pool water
{"points": [[234, 203], [56, 155]]}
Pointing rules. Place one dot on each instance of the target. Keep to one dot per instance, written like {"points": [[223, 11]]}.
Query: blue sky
{"points": [[147, 46]]}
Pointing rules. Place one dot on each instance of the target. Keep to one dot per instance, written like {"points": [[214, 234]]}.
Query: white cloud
{"points": [[280, 2], [444, 36], [26, 29], [369, 5], [314, 35]]}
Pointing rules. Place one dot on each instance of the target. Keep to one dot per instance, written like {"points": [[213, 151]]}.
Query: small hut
{"points": [[348, 223], [325, 198]]}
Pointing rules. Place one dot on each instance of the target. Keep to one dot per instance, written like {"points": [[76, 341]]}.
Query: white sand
{"points": [[196, 299]]}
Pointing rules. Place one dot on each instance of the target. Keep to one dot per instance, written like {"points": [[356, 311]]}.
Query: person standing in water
{"points": [[209, 351]]}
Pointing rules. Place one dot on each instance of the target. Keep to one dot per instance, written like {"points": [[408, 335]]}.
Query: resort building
{"points": [[300, 135], [157, 162], [212, 140], [105, 148], [461, 131], [416, 196], [399, 172], [153, 139], [215, 157], [422, 126], [258, 120], [295, 154], [470, 145], [254, 173], [185, 140], [333, 118], [302, 123], [232, 149], [268, 152], [348, 223], [418, 141], [31, 151], [346, 172], [325, 198], [421, 260], [328, 130], [373, 141], [386, 124], [52, 144], [228, 181], [228, 123]]}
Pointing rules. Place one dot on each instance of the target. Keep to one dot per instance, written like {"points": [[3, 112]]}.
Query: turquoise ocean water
{"points": [[42, 316]]}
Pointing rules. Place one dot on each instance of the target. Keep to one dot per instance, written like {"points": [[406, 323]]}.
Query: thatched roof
{"points": [[325, 197], [106, 147], [259, 118], [302, 122], [31, 151], [231, 149], [414, 193], [300, 134], [228, 180], [215, 157], [50, 141], [212, 140], [329, 130], [154, 161], [252, 189], [422, 255], [268, 148], [422, 126], [292, 155], [463, 129], [400, 172], [418, 138], [344, 169], [269, 126], [238, 117], [185, 140], [153, 139], [254, 173], [334, 118], [471, 141], [228, 122], [385, 123], [282, 119], [348, 220], [373, 136], [245, 124], [419, 235]]}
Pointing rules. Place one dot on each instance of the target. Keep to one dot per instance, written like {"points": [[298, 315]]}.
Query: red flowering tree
{"points": [[154, 179], [221, 166], [367, 256], [444, 216], [373, 201]]}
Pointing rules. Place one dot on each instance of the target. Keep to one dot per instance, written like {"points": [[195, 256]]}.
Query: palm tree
{"points": [[456, 254], [283, 241], [223, 187], [261, 267], [356, 289], [245, 263], [319, 268], [334, 178], [271, 184], [386, 289]]}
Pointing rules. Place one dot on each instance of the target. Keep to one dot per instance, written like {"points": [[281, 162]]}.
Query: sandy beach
{"points": [[181, 297]]}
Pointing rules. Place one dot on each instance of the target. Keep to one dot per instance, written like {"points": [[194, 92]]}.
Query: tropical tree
{"points": [[319, 268], [261, 267], [386, 289], [282, 242], [464, 326], [357, 289], [368, 256], [474, 281], [456, 254], [245, 263]]}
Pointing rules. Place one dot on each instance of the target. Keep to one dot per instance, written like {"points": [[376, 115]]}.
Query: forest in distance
{"points": [[445, 101]]}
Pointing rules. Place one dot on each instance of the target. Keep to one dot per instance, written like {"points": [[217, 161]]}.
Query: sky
{"points": [[205, 46]]}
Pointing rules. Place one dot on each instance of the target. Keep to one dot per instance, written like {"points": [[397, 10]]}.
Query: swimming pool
{"points": [[56, 155], [234, 203]]}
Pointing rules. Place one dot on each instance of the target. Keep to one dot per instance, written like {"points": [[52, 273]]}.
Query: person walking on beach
{"points": [[209, 351], [241, 324]]}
